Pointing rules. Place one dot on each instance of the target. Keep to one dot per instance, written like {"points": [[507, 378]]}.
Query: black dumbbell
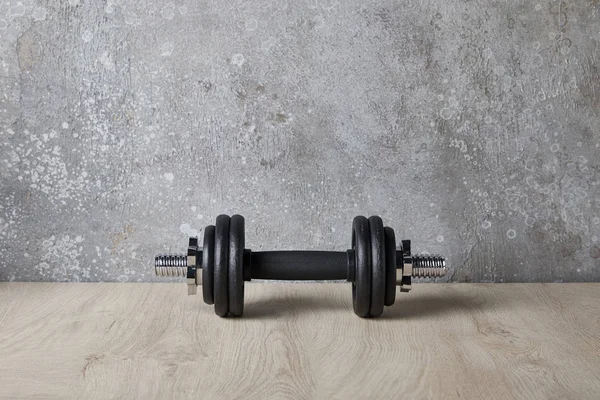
{"points": [[373, 265]]}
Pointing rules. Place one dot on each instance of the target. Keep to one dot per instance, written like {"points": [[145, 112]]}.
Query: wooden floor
{"points": [[301, 341]]}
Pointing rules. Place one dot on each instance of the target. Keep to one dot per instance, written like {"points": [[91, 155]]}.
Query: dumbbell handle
{"points": [[299, 265]]}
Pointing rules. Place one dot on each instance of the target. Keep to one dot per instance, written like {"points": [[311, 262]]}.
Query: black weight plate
{"points": [[208, 265], [236, 266], [390, 266], [377, 266], [361, 287], [221, 265]]}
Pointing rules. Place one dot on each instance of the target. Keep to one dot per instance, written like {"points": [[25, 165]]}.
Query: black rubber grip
{"points": [[299, 265]]}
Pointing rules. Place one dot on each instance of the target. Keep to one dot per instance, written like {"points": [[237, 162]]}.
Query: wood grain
{"points": [[526, 341]]}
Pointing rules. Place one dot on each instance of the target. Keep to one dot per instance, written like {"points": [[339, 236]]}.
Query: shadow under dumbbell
{"points": [[297, 303], [411, 306]]}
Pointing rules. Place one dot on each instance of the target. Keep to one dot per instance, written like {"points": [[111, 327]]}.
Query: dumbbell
{"points": [[374, 266]]}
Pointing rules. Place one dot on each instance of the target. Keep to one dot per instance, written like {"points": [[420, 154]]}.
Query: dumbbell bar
{"points": [[373, 265]]}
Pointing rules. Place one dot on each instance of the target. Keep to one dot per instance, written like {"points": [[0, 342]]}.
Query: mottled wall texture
{"points": [[472, 127]]}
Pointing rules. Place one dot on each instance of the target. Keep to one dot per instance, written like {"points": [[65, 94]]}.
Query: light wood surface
{"points": [[451, 341]]}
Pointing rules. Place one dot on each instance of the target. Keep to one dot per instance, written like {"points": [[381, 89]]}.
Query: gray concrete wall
{"points": [[471, 127]]}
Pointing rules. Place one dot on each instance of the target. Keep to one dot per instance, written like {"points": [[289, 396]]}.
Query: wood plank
{"points": [[100, 340]]}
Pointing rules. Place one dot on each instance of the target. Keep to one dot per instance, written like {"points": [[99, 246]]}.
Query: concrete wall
{"points": [[471, 127]]}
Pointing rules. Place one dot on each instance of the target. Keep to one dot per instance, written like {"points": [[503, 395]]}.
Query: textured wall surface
{"points": [[471, 127]]}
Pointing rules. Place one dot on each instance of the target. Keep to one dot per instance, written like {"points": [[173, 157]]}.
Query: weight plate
{"points": [[361, 287], [208, 265], [377, 266], [236, 266], [390, 266], [221, 265]]}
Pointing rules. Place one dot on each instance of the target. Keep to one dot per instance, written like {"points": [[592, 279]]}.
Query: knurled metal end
{"points": [[171, 265], [428, 266], [182, 266], [417, 266]]}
